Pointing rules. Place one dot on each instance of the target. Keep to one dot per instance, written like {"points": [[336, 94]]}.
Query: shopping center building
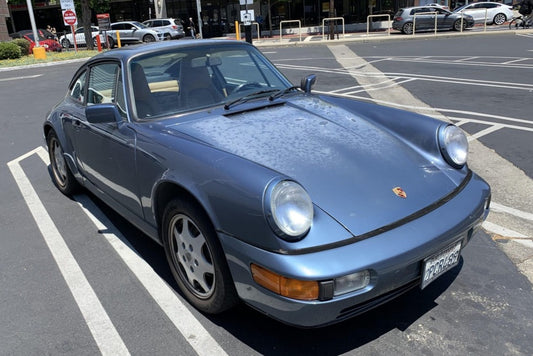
{"points": [[218, 16]]}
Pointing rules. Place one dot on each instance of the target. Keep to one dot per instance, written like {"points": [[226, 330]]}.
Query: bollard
{"points": [[118, 40], [39, 53], [98, 43], [237, 31]]}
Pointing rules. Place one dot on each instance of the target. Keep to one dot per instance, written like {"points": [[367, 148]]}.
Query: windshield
{"points": [[193, 78], [138, 24], [460, 8]]}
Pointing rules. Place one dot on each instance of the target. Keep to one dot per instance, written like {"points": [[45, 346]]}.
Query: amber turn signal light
{"points": [[287, 287]]}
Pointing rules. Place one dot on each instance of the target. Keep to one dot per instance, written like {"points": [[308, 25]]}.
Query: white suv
{"points": [[173, 26]]}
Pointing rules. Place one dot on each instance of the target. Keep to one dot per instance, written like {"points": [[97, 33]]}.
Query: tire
{"points": [[196, 258], [407, 28], [148, 38], [499, 19], [65, 43], [61, 174], [516, 23], [111, 42], [457, 25]]}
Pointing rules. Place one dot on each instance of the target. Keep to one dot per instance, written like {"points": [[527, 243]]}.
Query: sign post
{"points": [[247, 16], [104, 24], [70, 19]]}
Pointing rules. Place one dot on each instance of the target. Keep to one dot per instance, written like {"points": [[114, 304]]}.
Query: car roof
{"points": [[126, 52]]}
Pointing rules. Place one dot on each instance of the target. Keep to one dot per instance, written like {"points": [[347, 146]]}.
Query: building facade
{"points": [[218, 16]]}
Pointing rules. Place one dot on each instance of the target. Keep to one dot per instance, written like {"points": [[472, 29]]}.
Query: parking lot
{"points": [[78, 279]]}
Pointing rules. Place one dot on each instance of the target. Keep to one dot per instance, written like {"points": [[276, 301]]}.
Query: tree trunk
{"points": [[86, 23]]}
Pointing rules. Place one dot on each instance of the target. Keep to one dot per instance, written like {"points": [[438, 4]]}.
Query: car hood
{"points": [[348, 165]]}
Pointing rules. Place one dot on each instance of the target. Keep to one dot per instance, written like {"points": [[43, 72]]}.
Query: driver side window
{"points": [[102, 83]]}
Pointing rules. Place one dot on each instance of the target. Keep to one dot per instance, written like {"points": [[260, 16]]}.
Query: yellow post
{"points": [[118, 39], [237, 31], [39, 53]]}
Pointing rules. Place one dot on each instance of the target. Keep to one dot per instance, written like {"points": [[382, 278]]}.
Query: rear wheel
{"points": [[61, 175], [196, 259], [516, 23], [65, 43], [408, 28], [111, 42], [499, 19]]}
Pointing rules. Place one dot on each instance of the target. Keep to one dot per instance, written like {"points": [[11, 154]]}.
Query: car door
{"points": [[80, 36], [444, 20], [106, 151], [125, 31], [477, 11], [424, 19]]}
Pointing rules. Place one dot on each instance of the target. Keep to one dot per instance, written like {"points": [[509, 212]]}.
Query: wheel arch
{"points": [[49, 127], [168, 191]]}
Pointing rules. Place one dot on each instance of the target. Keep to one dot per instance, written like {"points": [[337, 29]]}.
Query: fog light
{"points": [[351, 282]]}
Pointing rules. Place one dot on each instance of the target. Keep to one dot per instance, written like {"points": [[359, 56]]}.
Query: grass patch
{"points": [[50, 57]]}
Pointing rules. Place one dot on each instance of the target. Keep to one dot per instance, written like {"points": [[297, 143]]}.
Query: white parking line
{"points": [[17, 78], [104, 333], [484, 132], [172, 306], [181, 317]]}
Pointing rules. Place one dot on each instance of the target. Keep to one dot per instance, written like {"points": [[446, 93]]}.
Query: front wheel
{"points": [[457, 25], [499, 19], [65, 43], [61, 174], [148, 38], [196, 259]]}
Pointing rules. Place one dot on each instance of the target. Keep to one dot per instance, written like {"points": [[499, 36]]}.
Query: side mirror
{"points": [[307, 83], [102, 114]]}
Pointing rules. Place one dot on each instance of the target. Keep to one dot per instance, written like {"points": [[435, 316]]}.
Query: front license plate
{"points": [[438, 264]]}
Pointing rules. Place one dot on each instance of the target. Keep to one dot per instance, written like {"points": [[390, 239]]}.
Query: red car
{"points": [[49, 44]]}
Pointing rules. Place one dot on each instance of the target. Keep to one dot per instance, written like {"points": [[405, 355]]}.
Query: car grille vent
{"points": [[372, 303]]}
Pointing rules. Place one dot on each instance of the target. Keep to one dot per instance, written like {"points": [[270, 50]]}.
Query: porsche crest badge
{"points": [[399, 192]]}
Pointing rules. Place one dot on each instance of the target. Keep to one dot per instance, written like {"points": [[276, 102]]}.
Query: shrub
{"points": [[23, 44], [9, 50]]}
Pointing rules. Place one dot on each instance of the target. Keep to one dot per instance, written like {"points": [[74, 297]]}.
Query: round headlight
{"points": [[453, 145], [290, 210]]}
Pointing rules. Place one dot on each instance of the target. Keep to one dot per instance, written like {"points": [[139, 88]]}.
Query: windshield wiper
{"points": [[282, 92], [247, 97]]}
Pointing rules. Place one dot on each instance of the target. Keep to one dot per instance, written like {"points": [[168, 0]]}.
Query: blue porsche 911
{"points": [[309, 208]]}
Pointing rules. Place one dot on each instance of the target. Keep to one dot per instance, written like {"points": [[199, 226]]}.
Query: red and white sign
{"points": [[69, 17]]}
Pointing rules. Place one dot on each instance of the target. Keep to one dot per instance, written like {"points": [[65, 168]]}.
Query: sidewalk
{"points": [[364, 36]]}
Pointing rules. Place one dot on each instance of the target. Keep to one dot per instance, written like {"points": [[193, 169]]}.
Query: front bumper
{"points": [[394, 259]]}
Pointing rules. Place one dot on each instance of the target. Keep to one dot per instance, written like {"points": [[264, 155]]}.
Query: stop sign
{"points": [[69, 17]]}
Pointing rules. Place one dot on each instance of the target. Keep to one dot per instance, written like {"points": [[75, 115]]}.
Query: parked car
{"points": [[425, 19], [490, 12], [310, 208], [67, 40], [132, 32], [438, 5], [49, 44], [40, 31], [173, 26]]}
